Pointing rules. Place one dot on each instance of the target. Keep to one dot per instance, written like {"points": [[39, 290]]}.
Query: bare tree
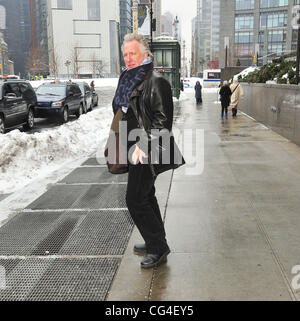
{"points": [[54, 62], [37, 61], [94, 62], [102, 67], [76, 55]]}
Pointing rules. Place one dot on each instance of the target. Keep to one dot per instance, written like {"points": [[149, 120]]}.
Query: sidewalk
{"points": [[233, 230]]}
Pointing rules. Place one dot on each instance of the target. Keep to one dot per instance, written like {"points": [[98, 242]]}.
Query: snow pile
{"points": [[99, 82], [247, 71], [24, 157]]}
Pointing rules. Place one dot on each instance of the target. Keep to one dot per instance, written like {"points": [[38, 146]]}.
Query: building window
{"points": [[273, 19], [276, 48], [2, 18], [261, 37], [243, 50], [64, 4], [296, 1], [243, 37], [276, 36], [244, 4], [273, 3], [93, 9], [294, 35], [243, 22]]}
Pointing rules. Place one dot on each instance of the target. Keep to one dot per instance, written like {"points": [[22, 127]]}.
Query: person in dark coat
{"points": [[225, 94], [198, 92], [145, 99], [181, 85]]}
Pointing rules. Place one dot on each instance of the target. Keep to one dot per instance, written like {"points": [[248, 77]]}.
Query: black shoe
{"points": [[154, 260], [140, 248]]}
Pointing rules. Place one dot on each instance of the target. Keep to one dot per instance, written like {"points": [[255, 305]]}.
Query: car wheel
{"points": [[80, 111], [2, 125], [65, 115], [30, 120]]}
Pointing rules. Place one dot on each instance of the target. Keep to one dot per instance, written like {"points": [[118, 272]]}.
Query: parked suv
{"points": [[59, 100], [17, 104]]}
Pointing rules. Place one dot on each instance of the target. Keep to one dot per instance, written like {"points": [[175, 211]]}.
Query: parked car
{"points": [[59, 100], [87, 96], [17, 104], [94, 98]]}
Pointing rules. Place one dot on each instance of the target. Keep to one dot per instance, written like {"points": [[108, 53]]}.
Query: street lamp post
{"points": [[298, 57], [151, 23], [67, 64]]}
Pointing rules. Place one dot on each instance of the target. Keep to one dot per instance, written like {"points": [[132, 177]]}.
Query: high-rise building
{"points": [[251, 27], [206, 35], [125, 18], [83, 37], [15, 26], [166, 21]]}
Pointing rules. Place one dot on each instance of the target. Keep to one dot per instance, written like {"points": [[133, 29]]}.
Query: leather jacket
{"points": [[152, 104]]}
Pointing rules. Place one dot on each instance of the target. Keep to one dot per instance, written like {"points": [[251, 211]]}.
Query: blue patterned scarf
{"points": [[127, 82]]}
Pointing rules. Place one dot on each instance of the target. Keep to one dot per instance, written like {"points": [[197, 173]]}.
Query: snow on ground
{"points": [[25, 157]]}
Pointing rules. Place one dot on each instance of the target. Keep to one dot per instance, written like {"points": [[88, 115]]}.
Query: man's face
{"points": [[133, 55]]}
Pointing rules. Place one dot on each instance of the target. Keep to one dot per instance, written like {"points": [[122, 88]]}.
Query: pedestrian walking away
{"points": [[198, 92], [92, 85], [237, 92], [145, 98], [225, 95], [181, 85]]}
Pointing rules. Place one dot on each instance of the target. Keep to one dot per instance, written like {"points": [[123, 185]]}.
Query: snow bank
{"points": [[247, 71], [99, 82], [24, 157]]}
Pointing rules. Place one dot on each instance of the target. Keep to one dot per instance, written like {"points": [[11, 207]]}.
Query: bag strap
{"points": [[235, 89]]}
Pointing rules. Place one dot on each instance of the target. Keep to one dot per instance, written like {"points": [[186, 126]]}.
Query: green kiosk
{"points": [[167, 61]]}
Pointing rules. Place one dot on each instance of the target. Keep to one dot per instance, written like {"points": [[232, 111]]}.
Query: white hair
{"points": [[141, 40]]}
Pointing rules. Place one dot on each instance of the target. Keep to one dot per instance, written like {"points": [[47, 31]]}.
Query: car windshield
{"points": [[80, 84], [49, 90]]}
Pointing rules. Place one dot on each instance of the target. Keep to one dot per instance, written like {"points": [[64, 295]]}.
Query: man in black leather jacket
{"points": [[145, 99]]}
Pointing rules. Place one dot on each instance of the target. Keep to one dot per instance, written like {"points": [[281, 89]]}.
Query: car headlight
{"points": [[57, 104]]}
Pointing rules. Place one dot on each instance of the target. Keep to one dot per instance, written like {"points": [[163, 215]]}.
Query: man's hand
{"points": [[138, 154]]}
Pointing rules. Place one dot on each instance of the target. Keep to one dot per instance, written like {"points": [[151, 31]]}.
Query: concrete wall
{"points": [[276, 106]]}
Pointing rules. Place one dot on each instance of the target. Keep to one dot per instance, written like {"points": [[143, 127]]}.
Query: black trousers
{"points": [[141, 200], [234, 111], [144, 209], [199, 100], [224, 105]]}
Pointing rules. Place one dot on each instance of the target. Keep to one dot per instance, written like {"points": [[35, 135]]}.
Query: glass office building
{"points": [[260, 28]]}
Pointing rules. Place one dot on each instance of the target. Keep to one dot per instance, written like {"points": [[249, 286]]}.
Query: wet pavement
{"points": [[233, 228]]}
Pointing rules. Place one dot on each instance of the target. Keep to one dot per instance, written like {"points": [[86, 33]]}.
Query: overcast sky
{"points": [[186, 10]]}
